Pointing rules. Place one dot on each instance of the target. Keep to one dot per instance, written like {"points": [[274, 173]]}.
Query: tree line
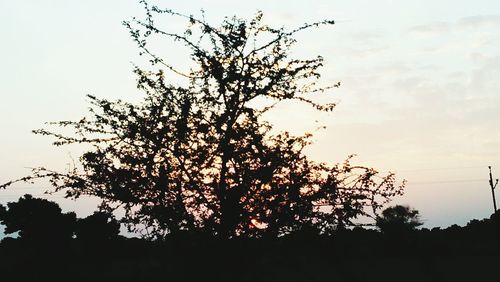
{"points": [[55, 245], [40, 220]]}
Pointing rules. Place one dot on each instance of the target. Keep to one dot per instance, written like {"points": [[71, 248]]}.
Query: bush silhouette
{"points": [[99, 226], [398, 220], [37, 219]]}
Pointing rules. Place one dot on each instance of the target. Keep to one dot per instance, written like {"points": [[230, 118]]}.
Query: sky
{"points": [[419, 88]]}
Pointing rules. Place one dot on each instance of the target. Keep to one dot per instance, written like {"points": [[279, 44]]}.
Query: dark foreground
{"points": [[453, 254]]}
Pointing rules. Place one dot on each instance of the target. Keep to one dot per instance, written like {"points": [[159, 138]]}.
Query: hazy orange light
{"points": [[257, 224]]}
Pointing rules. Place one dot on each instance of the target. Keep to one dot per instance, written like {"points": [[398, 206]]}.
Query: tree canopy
{"points": [[201, 157], [398, 219], [99, 226], [37, 219]]}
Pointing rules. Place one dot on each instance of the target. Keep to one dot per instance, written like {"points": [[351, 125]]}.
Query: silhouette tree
{"points": [[37, 219], [398, 220], [199, 156], [494, 222], [99, 226]]}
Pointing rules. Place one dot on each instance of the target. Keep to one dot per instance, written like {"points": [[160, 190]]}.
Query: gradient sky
{"points": [[420, 90]]}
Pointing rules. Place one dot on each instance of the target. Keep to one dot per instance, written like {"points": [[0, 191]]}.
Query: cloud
{"points": [[363, 53], [367, 36], [479, 21], [431, 29], [440, 28]]}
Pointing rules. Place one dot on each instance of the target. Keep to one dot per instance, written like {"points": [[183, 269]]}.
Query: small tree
{"points": [[201, 157], [398, 219], [99, 226], [37, 220]]}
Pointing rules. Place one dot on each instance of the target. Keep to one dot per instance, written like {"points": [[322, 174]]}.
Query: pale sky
{"points": [[420, 90]]}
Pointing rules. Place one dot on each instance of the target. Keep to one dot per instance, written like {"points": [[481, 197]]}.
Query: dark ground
{"points": [[453, 254]]}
